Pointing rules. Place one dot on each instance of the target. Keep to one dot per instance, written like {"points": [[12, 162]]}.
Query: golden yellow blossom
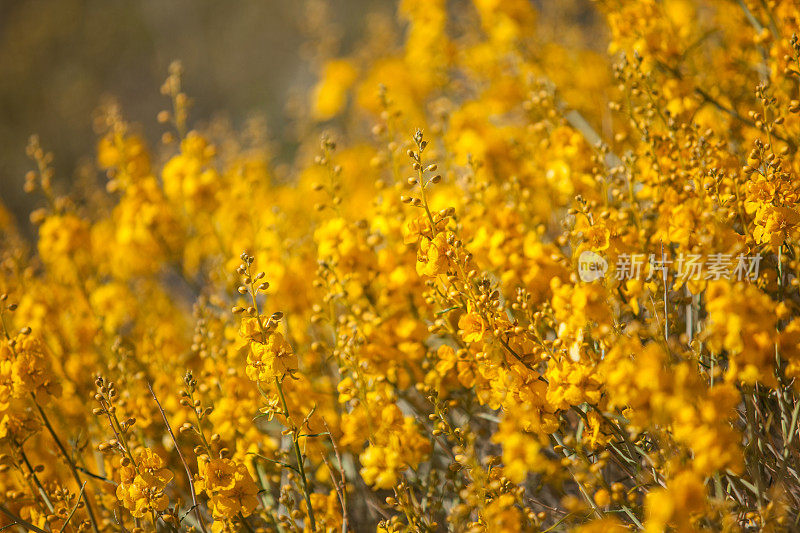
{"points": [[379, 321], [270, 359]]}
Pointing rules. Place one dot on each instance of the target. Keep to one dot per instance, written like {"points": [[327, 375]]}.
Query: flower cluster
{"points": [[230, 488], [387, 327], [142, 483]]}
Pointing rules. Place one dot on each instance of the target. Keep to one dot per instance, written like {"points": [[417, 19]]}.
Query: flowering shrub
{"points": [[394, 332]]}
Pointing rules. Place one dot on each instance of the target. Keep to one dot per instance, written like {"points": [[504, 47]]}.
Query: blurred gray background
{"points": [[59, 59]]}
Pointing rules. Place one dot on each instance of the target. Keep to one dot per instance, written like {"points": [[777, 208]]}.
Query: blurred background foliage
{"points": [[61, 59]]}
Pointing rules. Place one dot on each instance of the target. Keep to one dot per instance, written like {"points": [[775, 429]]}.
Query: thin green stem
{"points": [[70, 463], [299, 456]]}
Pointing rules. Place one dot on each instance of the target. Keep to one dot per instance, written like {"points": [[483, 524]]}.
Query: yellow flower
{"points": [[677, 505], [250, 328], [126, 154], [379, 466], [218, 474], [229, 485], [775, 224], [142, 484], [241, 498], [432, 257], [26, 369], [153, 469], [330, 94], [64, 242], [452, 355], [141, 498], [520, 455], [472, 327], [502, 515], [188, 178], [271, 359], [742, 321]]}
